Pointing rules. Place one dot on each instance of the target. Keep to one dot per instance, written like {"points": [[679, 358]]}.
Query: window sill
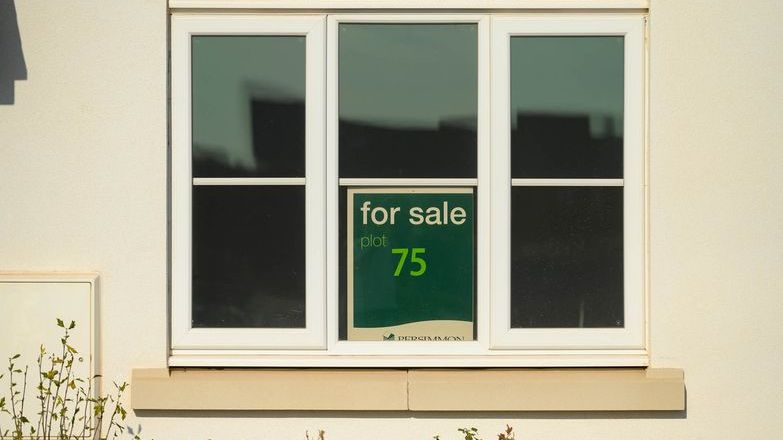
{"points": [[530, 359], [605, 389]]}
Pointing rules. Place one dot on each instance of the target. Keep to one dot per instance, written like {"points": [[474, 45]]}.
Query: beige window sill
{"points": [[576, 389]]}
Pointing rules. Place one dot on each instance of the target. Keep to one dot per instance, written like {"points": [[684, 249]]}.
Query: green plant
{"points": [[473, 434], [508, 434], [67, 408], [469, 433]]}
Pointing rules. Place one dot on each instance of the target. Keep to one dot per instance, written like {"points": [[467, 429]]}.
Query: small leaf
{"points": [[73, 324], [16, 356], [60, 323]]}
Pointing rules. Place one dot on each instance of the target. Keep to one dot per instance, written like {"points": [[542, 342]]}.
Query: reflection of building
{"points": [[248, 256], [562, 146], [237, 281], [278, 136], [543, 145], [368, 150]]}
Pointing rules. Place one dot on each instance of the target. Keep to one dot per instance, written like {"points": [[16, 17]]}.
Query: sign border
{"points": [[350, 230]]}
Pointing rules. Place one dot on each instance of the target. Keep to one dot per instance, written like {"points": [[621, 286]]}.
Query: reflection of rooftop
{"points": [[543, 145], [273, 92], [368, 150], [547, 145], [278, 142], [465, 122]]}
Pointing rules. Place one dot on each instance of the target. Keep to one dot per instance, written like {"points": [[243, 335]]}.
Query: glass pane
{"points": [[249, 256], [408, 100], [566, 257], [248, 106], [567, 107]]}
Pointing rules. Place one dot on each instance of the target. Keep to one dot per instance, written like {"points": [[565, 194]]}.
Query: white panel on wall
{"points": [[30, 305]]}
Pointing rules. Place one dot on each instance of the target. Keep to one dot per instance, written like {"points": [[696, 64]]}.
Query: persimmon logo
{"points": [[393, 337], [430, 338]]}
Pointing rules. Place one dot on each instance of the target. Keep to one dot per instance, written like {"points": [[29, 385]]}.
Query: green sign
{"points": [[410, 264]]}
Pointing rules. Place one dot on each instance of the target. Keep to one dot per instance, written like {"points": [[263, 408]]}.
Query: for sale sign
{"points": [[411, 263]]}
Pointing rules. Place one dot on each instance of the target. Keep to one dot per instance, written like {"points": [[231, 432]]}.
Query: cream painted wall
{"points": [[717, 211], [83, 187], [83, 163]]}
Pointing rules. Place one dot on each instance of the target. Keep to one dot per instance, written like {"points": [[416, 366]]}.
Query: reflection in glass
{"points": [[408, 100], [249, 256], [567, 107], [566, 257], [248, 106]]}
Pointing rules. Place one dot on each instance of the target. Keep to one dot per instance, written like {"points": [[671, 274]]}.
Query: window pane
{"points": [[248, 106], [408, 100], [567, 257], [249, 256], [567, 107]]}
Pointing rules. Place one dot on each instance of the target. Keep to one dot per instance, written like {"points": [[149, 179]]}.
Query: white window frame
{"points": [[496, 344], [183, 335], [632, 335], [410, 348]]}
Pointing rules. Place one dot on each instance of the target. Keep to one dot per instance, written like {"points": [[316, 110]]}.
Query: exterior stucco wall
{"points": [[83, 186]]}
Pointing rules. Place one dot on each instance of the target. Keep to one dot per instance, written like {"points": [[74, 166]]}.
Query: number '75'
{"points": [[414, 259]]}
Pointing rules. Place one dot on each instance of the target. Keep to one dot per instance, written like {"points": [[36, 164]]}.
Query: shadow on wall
{"points": [[12, 65]]}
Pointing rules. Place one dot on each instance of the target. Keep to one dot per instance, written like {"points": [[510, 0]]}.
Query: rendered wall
{"points": [[83, 183]]}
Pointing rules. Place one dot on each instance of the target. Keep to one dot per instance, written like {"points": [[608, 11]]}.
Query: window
{"points": [[408, 190], [247, 183], [568, 113]]}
